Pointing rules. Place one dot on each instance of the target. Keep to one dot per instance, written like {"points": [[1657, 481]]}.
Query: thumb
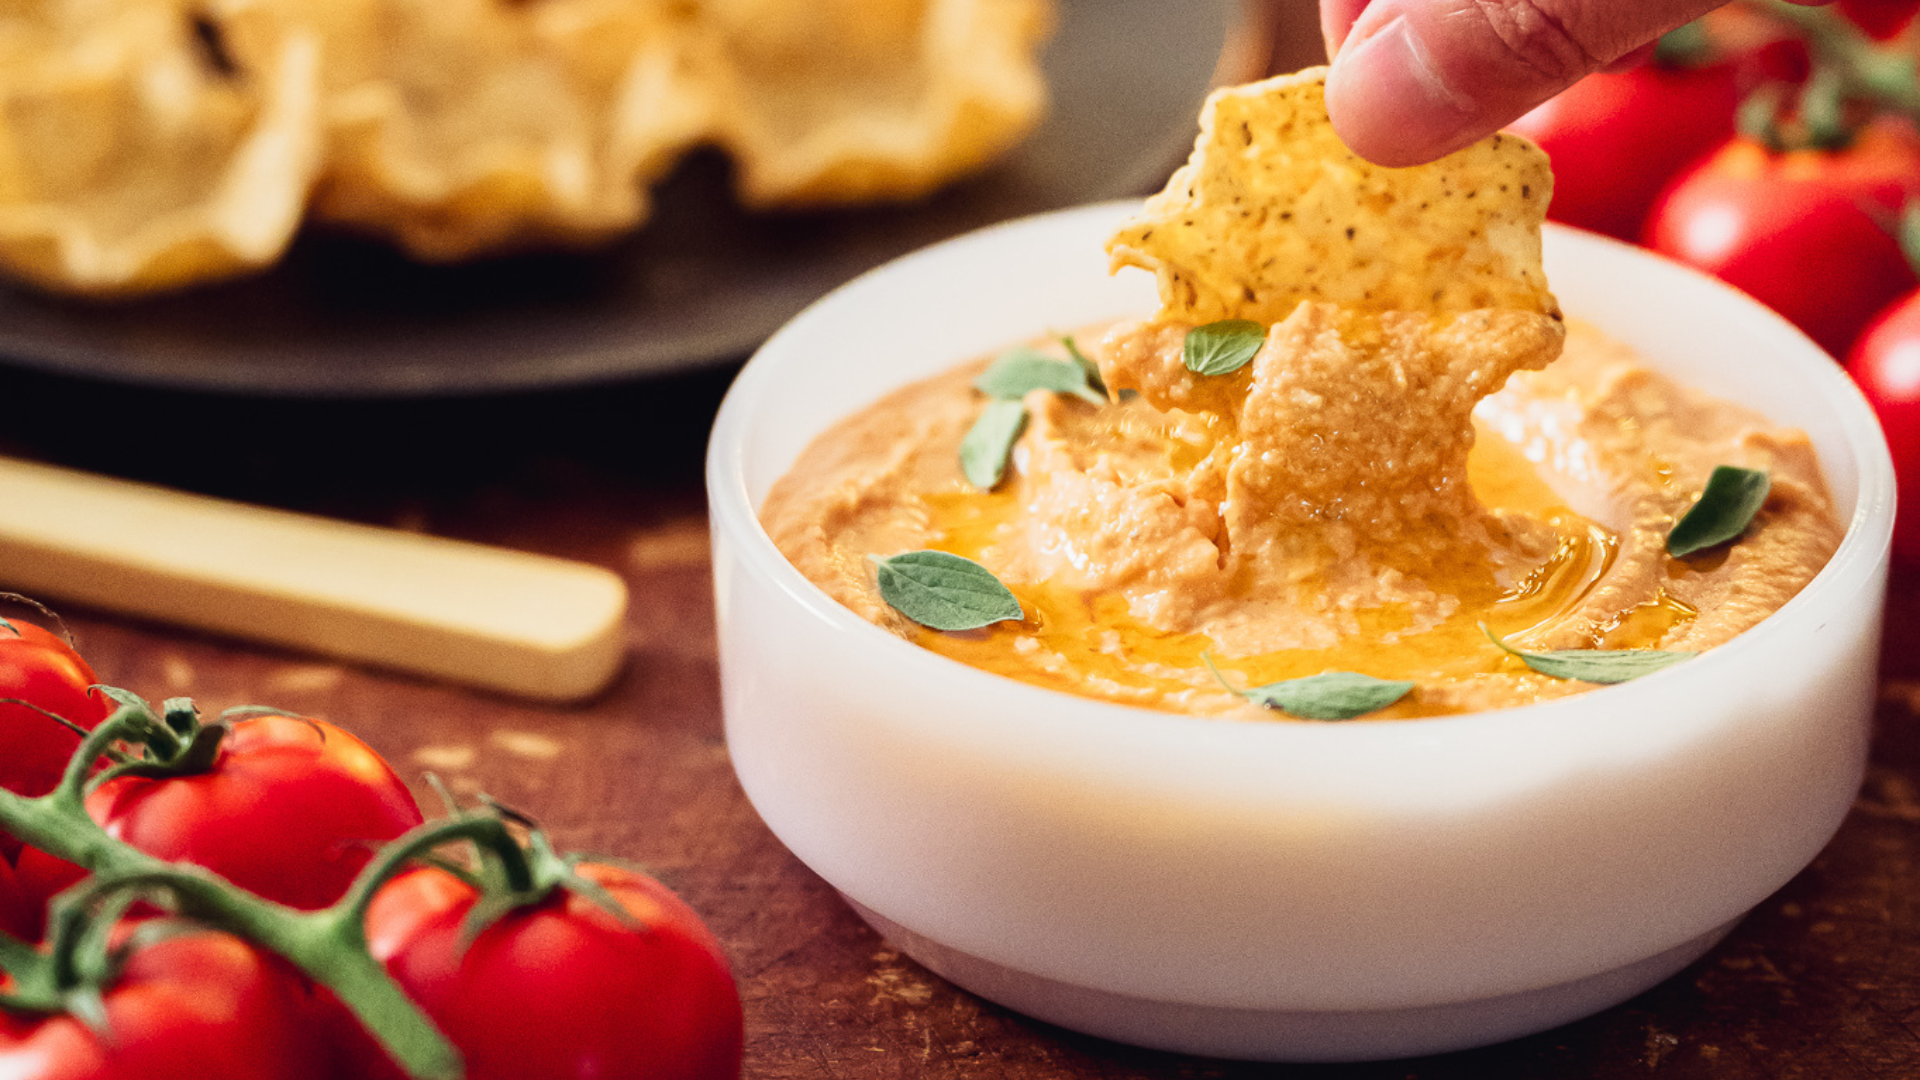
{"points": [[1417, 79]]}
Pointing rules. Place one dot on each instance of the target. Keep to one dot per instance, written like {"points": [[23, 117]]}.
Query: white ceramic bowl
{"points": [[1284, 891]]}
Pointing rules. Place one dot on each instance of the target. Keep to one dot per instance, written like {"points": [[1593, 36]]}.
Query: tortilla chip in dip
{"points": [[1341, 455]]}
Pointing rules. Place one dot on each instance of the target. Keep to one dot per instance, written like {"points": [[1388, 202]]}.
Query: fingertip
{"points": [[1390, 104], [1336, 22]]}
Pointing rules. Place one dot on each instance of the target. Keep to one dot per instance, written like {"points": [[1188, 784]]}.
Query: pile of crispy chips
{"points": [[150, 144]]}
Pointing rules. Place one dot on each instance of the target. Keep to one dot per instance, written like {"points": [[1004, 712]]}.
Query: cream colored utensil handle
{"points": [[525, 624]]}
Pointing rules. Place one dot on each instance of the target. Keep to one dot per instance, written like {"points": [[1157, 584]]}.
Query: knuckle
{"points": [[1532, 34]]}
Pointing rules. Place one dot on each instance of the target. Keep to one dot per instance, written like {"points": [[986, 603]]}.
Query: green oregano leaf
{"points": [[1017, 372], [1092, 369], [944, 591], [1330, 695], [1020, 370], [988, 444], [1606, 666], [1221, 348], [1733, 495]]}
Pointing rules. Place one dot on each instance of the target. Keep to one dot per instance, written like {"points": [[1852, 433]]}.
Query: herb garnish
{"points": [[1606, 666], [1330, 695], [944, 591], [1221, 348], [1732, 497], [1018, 371], [988, 444], [1093, 370]]}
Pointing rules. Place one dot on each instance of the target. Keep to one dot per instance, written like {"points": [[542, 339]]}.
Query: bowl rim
{"points": [[1863, 551]]}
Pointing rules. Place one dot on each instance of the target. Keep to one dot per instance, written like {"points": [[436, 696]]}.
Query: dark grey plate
{"points": [[703, 283]]}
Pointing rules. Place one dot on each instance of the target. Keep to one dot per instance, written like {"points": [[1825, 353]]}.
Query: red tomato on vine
{"points": [[193, 1007], [1886, 365], [1616, 138], [37, 667], [562, 988], [1807, 232], [1881, 18], [290, 809]]}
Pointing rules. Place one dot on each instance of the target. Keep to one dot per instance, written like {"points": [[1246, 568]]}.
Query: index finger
{"points": [[1417, 79], [1336, 20]]}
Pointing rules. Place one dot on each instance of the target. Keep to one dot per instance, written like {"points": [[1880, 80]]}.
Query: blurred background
{"points": [[346, 374]]}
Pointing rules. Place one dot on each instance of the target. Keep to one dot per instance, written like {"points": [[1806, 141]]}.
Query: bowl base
{"points": [[1286, 1035]]}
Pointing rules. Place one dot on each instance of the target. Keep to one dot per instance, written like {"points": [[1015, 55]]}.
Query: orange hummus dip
{"points": [[1300, 516], [1408, 443]]}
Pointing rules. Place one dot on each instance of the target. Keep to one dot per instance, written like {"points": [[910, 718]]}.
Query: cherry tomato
{"points": [[1808, 232], [193, 1007], [37, 879], [562, 989], [37, 667], [1886, 364], [1616, 138], [291, 810], [1883, 19]]}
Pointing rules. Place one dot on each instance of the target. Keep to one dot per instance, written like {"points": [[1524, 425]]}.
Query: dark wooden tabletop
{"points": [[1821, 981]]}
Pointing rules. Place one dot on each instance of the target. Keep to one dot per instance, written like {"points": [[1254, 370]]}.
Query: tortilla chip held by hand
{"points": [[1273, 209]]}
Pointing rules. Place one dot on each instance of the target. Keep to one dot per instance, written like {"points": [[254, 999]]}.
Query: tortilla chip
{"points": [[1272, 210], [149, 145], [465, 127], [135, 155], [835, 102]]}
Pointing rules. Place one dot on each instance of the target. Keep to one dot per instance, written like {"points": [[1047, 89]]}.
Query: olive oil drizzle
{"points": [[1091, 645]]}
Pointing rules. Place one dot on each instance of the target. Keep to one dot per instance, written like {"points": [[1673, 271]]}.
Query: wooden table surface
{"points": [[1822, 981]]}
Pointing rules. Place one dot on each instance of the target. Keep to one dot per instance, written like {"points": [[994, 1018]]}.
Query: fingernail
{"points": [[1390, 103]]}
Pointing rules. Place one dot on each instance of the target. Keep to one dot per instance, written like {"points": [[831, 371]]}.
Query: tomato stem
{"points": [[59, 628], [485, 830], [328, 945], [1687, 46], [14, 951], [30, 972], [1848, 66], [48, 713], [1823, 110], [1758, 117]]}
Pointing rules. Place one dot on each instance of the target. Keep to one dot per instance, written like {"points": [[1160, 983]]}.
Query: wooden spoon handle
{"points": [[524, 624]]}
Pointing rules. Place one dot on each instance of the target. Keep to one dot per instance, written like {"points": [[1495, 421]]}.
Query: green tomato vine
{"points": [[328, 945]]}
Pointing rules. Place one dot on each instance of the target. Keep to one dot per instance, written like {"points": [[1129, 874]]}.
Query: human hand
{"points": [[1415, 79]]}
